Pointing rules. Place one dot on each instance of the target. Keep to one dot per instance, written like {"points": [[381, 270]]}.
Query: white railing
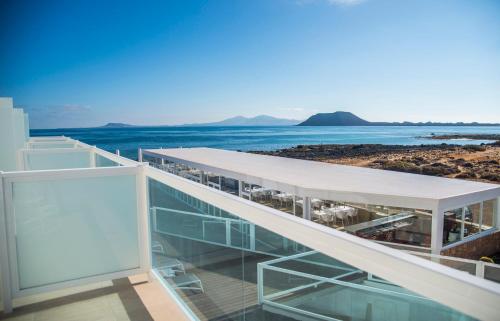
{"points": [[474, 267], [313, 283]]}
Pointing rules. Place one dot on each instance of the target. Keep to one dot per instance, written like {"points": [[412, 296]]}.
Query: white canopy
{"points": [[334, 182]]}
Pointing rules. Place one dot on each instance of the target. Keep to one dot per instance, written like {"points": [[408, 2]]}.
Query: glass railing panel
{"points": [[40, 160], [72, 228], [240, 234], [225, 268], [101, 161], [331, 292], [492, 272], [454, 263]]}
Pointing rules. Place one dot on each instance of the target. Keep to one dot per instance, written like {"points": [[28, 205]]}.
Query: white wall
{"points": [[7, 141], [13, 133]]}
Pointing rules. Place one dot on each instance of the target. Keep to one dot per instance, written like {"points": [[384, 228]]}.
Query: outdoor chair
{"points": [[187, 281]]}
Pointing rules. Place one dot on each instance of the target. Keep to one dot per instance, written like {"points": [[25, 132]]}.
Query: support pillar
{"points": [[203, 178], [307, 208], [139, 155], [437, 230], [497, 213], [240, 188]]}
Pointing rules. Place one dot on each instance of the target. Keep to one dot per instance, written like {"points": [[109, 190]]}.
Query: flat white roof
{"points": [[334, 182]]}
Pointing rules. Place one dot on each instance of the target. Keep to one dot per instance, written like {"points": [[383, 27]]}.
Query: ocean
{"points": [[128, 140]]}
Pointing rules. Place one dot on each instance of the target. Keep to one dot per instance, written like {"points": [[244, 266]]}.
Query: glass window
{"points": [[376, 222], [489, 210], [472, 217], [452, 228]]}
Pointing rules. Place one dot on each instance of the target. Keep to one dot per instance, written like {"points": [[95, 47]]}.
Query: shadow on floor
{"points": [[130, 300]]}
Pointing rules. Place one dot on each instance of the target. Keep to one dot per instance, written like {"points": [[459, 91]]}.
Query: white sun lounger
{"points": [[187, 281], [170, 264]]}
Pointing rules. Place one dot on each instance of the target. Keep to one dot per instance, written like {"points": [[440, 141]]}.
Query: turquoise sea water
{"points": [[128, 140]]}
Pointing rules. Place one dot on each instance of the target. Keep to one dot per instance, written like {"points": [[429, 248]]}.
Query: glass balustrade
{"points": [[225, 268], [73, 227]]}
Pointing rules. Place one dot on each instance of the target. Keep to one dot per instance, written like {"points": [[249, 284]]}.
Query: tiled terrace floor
{"points": [[128, 299]]}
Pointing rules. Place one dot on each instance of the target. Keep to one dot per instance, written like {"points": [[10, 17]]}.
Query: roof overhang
{"points": [[334, 182]]}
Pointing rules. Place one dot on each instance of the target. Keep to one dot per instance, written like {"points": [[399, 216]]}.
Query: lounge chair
{"points": [[158, 248], [187, 281], [168, 264]]}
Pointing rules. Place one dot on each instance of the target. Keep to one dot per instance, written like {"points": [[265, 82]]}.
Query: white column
{"points": [[437, 230], [117, 152], [481, 207], [294, 200], [143, 218], [139, 155], [462, 224], [203, 178], [497, 213], [240, 188], [307, 208], [220, 182]]}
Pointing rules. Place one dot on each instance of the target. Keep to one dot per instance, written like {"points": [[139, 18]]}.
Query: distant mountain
{"points": [[343, 118], [261, 120], [117, 125], [338, 118]]}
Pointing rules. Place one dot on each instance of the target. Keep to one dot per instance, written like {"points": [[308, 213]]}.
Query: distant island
{"points": [[261, 120], [344, 118], [116, 125], [338, 118]]}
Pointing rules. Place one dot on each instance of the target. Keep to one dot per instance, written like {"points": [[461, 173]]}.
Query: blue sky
{"points": [[85, 63]]}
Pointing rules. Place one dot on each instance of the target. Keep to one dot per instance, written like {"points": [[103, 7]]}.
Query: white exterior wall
{"points": [[14, 133], [7, 139]]}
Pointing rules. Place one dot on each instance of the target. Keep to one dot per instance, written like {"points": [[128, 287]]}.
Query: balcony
{"points": [[77, 237]]}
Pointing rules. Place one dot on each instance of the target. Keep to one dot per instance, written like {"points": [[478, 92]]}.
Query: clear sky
{"points": [[84, 63]]}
